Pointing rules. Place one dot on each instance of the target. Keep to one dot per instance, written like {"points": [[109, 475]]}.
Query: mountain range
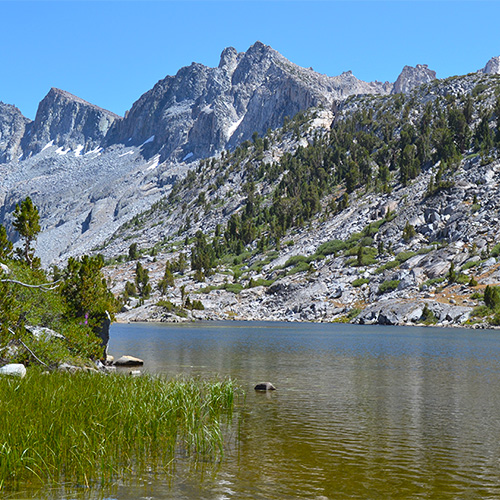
{"points": [[90, 171]]}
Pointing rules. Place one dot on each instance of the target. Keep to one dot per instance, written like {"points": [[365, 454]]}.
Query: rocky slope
{"points": [[411, 252], [90, 171]]}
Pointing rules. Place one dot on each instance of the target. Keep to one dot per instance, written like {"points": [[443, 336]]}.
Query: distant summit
{"points": [[492, 66], [202, 110], [68, 121], [412, 77], [197, 112]]}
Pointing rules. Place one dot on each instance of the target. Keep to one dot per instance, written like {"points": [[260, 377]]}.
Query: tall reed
{"points": [[91, 429]]}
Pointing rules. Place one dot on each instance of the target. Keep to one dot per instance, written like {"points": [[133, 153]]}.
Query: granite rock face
{"points": [[202, 110], [13, 126], [412, 77], [492, 66], [67, 121]]}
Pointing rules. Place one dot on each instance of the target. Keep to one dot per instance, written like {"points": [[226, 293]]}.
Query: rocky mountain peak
{"points": [[68, 121], [492, 66], [228, 59], [202, 110], [411, 77], [12, 128]]}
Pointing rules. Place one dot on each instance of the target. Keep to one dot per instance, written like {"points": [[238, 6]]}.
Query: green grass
{"points": [[91, 429]]}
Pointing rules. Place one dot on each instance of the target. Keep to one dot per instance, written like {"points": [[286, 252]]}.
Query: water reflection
{"points": [[360, 412]]}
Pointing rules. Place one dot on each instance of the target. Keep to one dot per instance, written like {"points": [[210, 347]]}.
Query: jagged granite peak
{"points": [[202, 110], [412, 77], [13, 126], [69, 122], [492, 66]]}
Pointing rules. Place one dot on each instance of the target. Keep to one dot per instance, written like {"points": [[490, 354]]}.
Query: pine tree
{"points": [[5, 245], [142, 281], [168, 279], [26, 222]]}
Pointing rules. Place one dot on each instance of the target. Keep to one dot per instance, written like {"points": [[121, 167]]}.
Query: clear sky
{"points": [[110, 52]]}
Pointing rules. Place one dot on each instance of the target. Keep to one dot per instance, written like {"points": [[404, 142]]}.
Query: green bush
{"points": [[388, 265], [331, 247], [495, 252], [300, 267], [295, 259], [495, 320], [388, 286], [360, 282], [404, 256], [481, 311], [353, 313], [233, 287], [428, 317], [492, 297]]}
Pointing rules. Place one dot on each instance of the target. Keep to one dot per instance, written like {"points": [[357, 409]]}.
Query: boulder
{"points": [[4, 269], [265, 386], [103, 333], [128, 361], [43, 333], [14, 370]]}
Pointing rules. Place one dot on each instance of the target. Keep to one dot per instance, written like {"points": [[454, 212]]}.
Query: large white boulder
{"points": [[13, 369]]}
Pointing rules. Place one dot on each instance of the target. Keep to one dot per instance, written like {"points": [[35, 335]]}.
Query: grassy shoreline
{"points": [[91, 429]]}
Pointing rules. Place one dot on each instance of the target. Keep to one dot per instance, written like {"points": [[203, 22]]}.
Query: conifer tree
{"points": [[5, 245], [142, 281], [27, 224]]}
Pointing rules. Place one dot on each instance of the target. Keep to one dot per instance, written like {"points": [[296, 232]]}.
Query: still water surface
{"points": [[362, 412]]}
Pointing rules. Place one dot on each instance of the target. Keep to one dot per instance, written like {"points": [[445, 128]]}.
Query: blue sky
{"points": [[110, 52]]}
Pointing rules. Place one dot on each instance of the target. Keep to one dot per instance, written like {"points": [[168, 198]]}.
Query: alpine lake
{"points": [[360, 412]]}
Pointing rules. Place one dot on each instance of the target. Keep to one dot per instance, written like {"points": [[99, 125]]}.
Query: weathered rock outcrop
{"points": [[67, 121], [492, 66], [13, 126], [201, 110], [412, 77]]}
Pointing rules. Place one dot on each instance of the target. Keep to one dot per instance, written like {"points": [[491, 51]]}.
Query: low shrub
{"points": [[388, 286], [360, 281], [331, 247]]}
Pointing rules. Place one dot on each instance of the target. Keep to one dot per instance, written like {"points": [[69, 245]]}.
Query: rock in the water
{"points": [[128, 361], [14, 369], [265, 386]]}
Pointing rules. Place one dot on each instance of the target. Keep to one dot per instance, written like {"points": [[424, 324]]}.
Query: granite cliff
{"points": [[90, 170]]}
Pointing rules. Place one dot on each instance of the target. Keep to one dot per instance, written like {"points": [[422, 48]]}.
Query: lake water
{"points": [[360, 412]]}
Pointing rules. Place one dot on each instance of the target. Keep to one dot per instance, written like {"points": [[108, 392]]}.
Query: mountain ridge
{"points": [[240, 81], [201, 111]]}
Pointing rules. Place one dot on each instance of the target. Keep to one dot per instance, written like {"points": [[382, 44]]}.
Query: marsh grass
{"points": [[92, 429]]}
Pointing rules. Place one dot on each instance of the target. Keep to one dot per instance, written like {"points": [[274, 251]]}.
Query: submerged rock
{"points": [[265, 386]]}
